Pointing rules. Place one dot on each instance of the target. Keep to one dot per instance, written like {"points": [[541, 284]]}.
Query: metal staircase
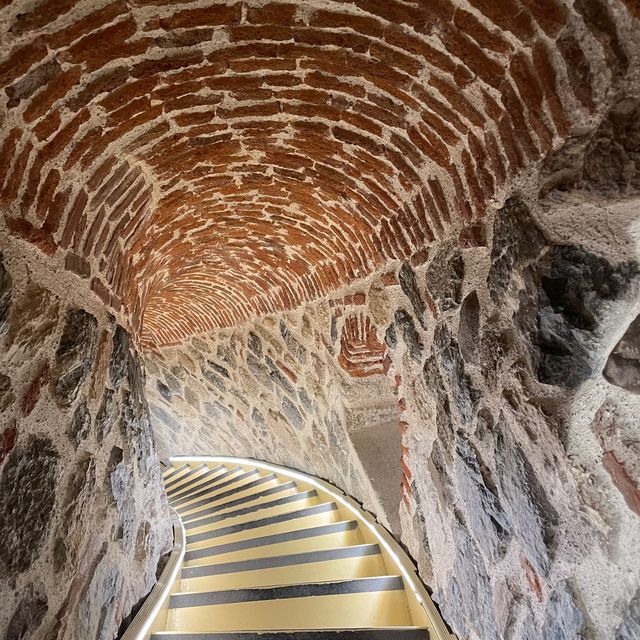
{"points": [[272, 554]]}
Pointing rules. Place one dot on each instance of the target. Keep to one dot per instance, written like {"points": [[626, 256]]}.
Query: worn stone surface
{"points": [[28, 615], [5, 297], [56, 436], [469, 328], [604, 160], [464, 397], [405, 325], [468, 596], [80, 423], [516, 240], [107, 414], [572, 295], [27, 497], [444, 278], [630, 626], [487, 519], [119, 357], [8, 440], [564, 621], [612, 160], [407, 279], [623, 365], [34, 317], [525, 500], [7, 397], [75, 354]]}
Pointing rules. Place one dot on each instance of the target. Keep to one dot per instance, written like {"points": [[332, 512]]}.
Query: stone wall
{"points": [[84, 519], [489, 358]]}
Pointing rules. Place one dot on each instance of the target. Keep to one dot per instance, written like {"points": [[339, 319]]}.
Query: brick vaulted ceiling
{"points": [[203, 162]]}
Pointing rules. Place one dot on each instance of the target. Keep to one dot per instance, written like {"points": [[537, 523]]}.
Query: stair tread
{"points": [[205, 491], [195, 484], [281, 592], [271, 557], [296, 497], [281, 560], [170, 472], [213, 500], [276, 538], [370, 633], [325, 507], [189, 518], [189, 476]]}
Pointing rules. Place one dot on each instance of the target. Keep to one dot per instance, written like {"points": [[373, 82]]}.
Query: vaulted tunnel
{"points": [[390, 243]]}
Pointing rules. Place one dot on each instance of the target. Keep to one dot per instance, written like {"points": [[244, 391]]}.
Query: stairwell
{"points": [[270, 553]]}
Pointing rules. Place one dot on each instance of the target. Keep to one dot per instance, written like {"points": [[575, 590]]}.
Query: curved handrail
{"points": [[158, 598], [385, 539]]}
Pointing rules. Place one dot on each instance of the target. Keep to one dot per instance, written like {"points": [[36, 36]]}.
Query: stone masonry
{"points": [[84, 519], [393, 243]]}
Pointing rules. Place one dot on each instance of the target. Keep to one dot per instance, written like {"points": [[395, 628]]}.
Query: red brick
{"points": [[578, 69], [547, 76], [15, 174], [486, 38], [20, 59], [274, 13], [47, 126], [63, 138], [87, 24], [7, 152], [37, 237], [111, 43], [98, 287], [507, 15], [551, 15], [215, 14]]}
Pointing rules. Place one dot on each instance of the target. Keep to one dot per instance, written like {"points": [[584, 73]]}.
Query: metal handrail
{"points": [[157, 601]]}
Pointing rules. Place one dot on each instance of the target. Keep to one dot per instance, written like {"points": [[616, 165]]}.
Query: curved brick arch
{"points": [[204, 162]]}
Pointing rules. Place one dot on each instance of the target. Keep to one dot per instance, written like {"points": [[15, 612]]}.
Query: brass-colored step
{"points": [[392, 633], [357, 561], [366, 602]]}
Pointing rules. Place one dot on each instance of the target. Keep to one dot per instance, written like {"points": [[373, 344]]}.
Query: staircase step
{"points": [[279, 538], [392, 633], [271, 558], [187, 519], [327, 570], [197, 483], [171, 472], [230, 478], [187, 476], [248, 514], [213, 499], [256, 564], [306, 590], [268, 522], [369, 602]]}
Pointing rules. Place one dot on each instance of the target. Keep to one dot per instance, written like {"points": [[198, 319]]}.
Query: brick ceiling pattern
{"points": [[203, 162]]}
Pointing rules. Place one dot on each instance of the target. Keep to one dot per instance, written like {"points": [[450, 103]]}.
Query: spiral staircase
{"points": [[266, 553]]}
